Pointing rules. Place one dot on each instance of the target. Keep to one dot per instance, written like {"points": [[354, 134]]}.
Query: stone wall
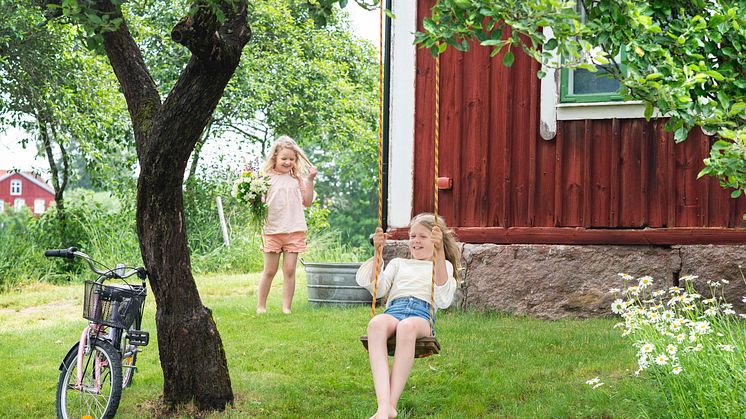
{"points": [[555, 281]]}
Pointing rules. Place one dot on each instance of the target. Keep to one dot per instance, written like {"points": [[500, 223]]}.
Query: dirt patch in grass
{"points": [[41, 315]]}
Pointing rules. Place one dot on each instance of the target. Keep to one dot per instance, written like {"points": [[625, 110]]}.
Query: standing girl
{"points": [[407, 282], [291, 188]]}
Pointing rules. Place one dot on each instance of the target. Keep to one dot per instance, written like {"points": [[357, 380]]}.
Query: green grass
{"points": [[311, 364]]}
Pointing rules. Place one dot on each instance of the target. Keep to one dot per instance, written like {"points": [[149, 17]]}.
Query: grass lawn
{"points": [[311, 364]]}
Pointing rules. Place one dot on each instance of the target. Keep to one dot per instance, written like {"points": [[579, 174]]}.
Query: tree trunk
{"points": [[191, 351]]}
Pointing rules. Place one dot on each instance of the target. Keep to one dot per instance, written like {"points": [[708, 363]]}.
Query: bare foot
{"points": [[393, 413], [286, 310], [384, 414], [261, 310]]}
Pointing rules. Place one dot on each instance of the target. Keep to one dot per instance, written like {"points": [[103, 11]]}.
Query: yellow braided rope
{"points": [[380, 154], [435, 183]]}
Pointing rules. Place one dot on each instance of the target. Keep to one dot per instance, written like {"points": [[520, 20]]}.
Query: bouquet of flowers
{"points": [[251, 188]]}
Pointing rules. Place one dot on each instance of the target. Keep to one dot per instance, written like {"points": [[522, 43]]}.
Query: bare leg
{"points": [[271, 262], [380, 328], [407, 332], [289, 262]]}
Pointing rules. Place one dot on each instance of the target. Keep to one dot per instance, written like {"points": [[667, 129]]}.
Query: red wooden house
{"points": [[23, 189], [558, 170]]}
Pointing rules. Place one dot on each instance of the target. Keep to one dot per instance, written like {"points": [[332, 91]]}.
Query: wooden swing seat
{"points": [[423, 347]]}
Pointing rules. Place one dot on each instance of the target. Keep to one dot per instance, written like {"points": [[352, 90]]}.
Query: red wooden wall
{"points": [[598, 181]]}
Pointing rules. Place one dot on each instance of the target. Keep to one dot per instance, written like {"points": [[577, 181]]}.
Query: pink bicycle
{"points": [[102, 363]]}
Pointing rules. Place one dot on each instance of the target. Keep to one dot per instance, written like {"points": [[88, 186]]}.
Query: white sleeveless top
{"points": [[285, 205]]}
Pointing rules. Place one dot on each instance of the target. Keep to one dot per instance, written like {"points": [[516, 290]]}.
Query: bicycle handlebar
{"points": [[72, 253], [61, 253]]}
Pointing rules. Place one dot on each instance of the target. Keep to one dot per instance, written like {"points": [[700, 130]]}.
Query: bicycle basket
{"points": [[114, 305]]}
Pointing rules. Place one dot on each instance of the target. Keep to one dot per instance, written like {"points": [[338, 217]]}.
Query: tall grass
{"points": [[694, 347], [105, 228]]}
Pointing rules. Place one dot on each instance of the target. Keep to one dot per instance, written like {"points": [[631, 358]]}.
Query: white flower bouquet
{"points": [[251, 188]]}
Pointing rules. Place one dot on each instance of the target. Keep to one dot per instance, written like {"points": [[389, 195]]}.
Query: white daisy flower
{"points": [[702, 327], [661, 359], [593, 381], [689, 278], [726, 348], [617, 307], [729, 311], [671, 349], [680, 337], [626, 276], [676, 370], [645, 281], [614, 290], [647, 348]]}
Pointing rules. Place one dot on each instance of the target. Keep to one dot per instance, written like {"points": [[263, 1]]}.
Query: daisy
{"points": [[617, 307], [661, 359], [676, 370], [646, 281], [671, 349], [647, 348]]}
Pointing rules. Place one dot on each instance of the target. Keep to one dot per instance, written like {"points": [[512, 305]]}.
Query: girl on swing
{"points": [[408, 283]]}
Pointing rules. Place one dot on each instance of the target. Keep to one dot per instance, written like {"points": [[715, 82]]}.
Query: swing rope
{"points": [[380, 154], [428, 345], [435, 188]]}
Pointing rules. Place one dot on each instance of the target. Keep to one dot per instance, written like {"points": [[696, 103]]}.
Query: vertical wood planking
{"points": [[451, 97], [558, 159], [615, 189], [644, 173], [587, 179], [475, 131], [533, 138]]}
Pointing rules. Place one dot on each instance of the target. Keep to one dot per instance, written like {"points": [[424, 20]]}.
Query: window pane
{"points": [[584, 82], [19, 204]]}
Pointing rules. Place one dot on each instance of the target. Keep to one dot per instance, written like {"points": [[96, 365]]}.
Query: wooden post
{"points": [[223, 227]]}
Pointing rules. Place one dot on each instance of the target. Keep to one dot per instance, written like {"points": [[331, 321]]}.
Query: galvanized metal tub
{"points": [[334, 284]]}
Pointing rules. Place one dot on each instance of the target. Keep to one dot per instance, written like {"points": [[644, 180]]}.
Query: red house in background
{"points": [[23, 189]]}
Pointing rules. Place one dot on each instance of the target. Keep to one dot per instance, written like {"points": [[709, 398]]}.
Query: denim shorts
{"points": [[404, 307]]}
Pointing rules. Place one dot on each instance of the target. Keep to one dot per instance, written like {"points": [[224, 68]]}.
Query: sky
{"points": [[13, 156]]}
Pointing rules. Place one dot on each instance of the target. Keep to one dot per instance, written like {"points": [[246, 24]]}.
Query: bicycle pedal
{"points": [[138, 337]]}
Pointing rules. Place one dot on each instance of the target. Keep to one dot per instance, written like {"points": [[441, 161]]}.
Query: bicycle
{"points": [[102, 362]]}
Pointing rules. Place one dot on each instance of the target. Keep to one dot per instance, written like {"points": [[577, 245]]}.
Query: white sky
{"points": [[13, 156]]}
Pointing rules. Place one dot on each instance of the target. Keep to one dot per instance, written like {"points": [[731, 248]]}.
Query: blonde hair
{"points": [[303, 165], [450, 246]]}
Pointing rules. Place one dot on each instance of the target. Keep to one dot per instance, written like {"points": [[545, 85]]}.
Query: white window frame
{"points": [[39, 206], [19, 204], [2, 206], [16, 187]]}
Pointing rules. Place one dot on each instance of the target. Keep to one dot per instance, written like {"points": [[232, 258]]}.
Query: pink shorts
{"points": [[294, 242]]}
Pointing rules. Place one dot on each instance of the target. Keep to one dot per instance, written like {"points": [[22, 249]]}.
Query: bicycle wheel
{"points": [[101, 387], [129, 359]]}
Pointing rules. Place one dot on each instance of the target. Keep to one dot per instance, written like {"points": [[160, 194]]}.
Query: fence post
{"points": [[223, 226]]}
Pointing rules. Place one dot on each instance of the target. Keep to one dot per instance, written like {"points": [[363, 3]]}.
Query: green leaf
{"points": [[736, 193], [550, 44], [648, 111], [680, 134], [508, 59]]}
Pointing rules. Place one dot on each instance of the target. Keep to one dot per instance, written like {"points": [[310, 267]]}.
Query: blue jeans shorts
{"points": [[404, 307]]}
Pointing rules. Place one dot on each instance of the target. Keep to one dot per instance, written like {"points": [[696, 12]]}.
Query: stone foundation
{"points": [[555, 281]]}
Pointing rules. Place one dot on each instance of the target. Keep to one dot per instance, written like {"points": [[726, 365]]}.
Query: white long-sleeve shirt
{"points": [[408, 278]]}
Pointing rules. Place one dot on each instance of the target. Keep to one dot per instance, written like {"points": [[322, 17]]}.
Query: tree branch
{"points": [[140, 91]]}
